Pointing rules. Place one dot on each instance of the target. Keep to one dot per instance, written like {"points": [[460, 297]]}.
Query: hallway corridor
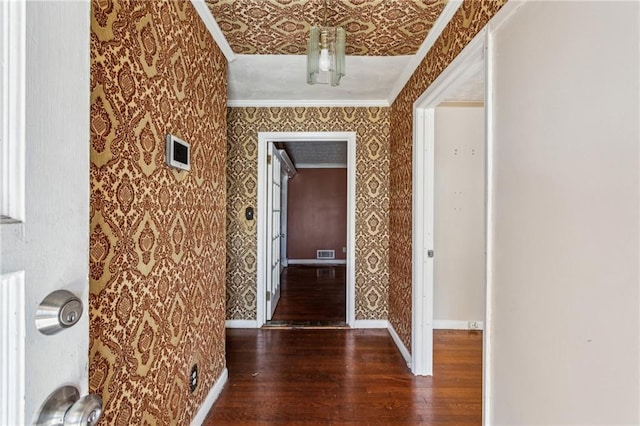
{"points": [[320, 377], [312, 295]]}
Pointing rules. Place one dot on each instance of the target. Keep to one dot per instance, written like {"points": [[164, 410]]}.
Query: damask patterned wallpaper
{"points": [[472, 16], [372, 198], [373, 27], [157, 254]]}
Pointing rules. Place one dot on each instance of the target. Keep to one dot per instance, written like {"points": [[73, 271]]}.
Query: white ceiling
{"points": [[280, 80]]}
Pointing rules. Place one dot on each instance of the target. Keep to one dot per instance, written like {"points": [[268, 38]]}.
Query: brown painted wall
{"points": [[317, 213], [157, 256], [472, 16], [372, 198]]}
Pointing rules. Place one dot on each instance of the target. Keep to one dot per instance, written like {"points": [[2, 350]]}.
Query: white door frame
{"points": [[284, 261], [466, 64], [274, 204], [45, 245], [261, 208]]}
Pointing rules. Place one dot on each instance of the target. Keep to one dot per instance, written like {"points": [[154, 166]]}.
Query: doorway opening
{"points": [[456, 191], [306, 265]]}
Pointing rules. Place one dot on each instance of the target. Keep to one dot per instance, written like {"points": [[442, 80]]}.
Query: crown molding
{"points": [[339, 103], [211, 24], [449, 10]]}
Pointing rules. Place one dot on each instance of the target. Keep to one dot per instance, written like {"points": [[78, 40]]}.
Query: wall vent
{"points": [[325, 254]]}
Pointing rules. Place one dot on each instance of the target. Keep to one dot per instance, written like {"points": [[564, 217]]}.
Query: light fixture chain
{"points": [[324, 24]]}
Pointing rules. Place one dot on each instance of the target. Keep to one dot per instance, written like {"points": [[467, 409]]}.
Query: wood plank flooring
{"points": [[346, 377], [312, 294]]}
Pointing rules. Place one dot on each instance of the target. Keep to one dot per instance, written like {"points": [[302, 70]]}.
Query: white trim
{"points": [[403, 349], [261, 250], [487, 354], [284, 222], [351, 230], [465, 65], [422, 242], [504, 14], [447, 13], [241, 324], [12, 348], [487, 350], [263, 138], [370, 324], [283, 103], [211, 24], [211, 398], [322, 166], [12, 109], [317, 261], [456, 325]]}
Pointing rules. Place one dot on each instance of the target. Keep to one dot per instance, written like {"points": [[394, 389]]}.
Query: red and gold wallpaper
{"points": [[372, 199], [281, 27], [157, 248], [472, 16]]}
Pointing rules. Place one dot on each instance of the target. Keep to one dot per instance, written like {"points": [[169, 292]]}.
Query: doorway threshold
{"points": [[319, 325]]}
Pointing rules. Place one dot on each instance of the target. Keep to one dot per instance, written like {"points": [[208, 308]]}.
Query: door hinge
{"points": [[268, 159], [430, 253], [268, 296]]}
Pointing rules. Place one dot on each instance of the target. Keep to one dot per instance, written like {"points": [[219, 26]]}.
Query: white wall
{"points": [[459, 237], [564, 326]]}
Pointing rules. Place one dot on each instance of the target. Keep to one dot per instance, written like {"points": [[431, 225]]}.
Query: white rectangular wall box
{"points": [[178, 153]]}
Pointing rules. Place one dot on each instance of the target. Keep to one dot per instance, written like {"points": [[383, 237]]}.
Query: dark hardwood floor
{"points": [[312, 294], [342, 376]]}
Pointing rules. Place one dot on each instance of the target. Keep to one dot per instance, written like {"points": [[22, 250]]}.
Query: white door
{"points": [[274, 234], [45, 192]]}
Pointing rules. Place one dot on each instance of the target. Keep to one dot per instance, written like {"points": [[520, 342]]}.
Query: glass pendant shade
{"points": [[325, 55]]}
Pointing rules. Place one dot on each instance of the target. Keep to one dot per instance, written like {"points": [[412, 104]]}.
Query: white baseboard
{"points": [[370, 324], [403, 349], [211, 398], [241, 324], [456, 325], [317, 261]]}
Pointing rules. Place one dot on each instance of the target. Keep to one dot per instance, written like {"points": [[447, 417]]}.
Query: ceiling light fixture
{"points": [[325, 53]]}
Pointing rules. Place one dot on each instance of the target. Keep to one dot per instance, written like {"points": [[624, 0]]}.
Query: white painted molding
{"points": [[504, 14], [211, 398], [322, 166], [241, 324], [283, 103], [422, 241], [465, 65], [403, 349], [351, 230], [211, 24], [12, 109], [456, 325], [370, 324], [450, 9], [263, 139], [317, 261], [12, 348]]}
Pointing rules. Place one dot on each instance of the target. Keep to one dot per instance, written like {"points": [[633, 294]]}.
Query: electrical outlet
{"points": [[193, 378], [473, 325], [344, 249]]}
